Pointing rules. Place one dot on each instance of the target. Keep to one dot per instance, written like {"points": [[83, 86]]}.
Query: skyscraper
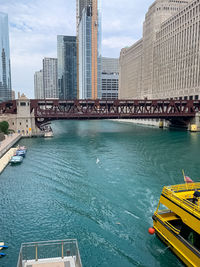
{"points": [[50, 77], [5, 72], [67, 67], [89, 49], [38, 85], [110, 78]]}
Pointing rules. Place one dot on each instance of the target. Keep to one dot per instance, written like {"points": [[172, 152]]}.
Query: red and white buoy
{"points": [[151, 231]]}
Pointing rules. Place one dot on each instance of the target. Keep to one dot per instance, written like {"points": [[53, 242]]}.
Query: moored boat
{"points": [[22, 148], [21, 153], [16, 160], [177, 218], [1, 245], [48, 134]]}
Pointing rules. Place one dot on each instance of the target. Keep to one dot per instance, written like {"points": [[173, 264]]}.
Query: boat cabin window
{"points": [[162, 208], [191, 236]]}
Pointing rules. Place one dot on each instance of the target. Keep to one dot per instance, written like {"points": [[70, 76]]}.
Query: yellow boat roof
{"points": [[182, 194]]}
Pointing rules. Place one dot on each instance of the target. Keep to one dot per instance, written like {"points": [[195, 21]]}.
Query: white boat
{"points": [[48, 134], [22, 148], [16, 160]]}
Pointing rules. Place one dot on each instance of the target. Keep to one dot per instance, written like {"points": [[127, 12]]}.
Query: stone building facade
{"points": [[176, 72], [165, 62], [130, 75], [24, 121]]}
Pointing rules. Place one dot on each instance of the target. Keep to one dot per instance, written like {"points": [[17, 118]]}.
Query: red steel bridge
{"points": [[46, 110]]}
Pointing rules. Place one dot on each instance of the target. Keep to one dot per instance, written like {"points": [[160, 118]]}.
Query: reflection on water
{"points": [[99, 182]]}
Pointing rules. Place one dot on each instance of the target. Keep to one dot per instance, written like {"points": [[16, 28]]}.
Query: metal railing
{"points": [[174, 229], [183, 187], [59, 249], [171, 192]]}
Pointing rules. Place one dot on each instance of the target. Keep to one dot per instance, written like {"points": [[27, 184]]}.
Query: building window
{"points": [[196, 97], [13, 123], [22, 104], [20, 123]]}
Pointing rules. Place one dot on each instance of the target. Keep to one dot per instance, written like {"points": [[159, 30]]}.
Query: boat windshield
{"points": [[162, 209]]}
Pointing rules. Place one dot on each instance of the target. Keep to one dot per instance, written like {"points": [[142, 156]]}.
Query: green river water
{"points": [[98, 182]]}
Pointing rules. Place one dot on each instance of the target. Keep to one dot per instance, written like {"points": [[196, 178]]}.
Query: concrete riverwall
{"points": [[4, 161], [10, 141], [6, 150], [148, 122]]}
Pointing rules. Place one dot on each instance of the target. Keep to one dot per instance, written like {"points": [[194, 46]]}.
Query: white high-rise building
{"points": [[50, 78], [38, 85], [110, 78], [165, 63]]}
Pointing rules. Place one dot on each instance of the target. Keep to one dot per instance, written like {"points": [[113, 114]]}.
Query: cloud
{"points": [[35, 24], [113, 45]]}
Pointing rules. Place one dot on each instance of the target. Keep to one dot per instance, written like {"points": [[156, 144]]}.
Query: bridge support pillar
{"points": [[194, 125]]}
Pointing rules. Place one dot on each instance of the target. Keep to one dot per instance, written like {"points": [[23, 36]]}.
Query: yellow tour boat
{"points": [[176, 221]]}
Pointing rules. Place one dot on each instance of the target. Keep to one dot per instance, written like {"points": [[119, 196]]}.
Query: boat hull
{"points": [[48, 134], [21, 153], [16, 160], [183, 249], [15, 163]]}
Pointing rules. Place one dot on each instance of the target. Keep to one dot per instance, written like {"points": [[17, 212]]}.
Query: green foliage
{"points": [[4, 125]]}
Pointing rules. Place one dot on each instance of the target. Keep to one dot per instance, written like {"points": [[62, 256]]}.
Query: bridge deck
{"points": [[105, 109]]}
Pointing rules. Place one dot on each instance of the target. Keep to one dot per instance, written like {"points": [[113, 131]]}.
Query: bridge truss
{"points": [[107, 109]]}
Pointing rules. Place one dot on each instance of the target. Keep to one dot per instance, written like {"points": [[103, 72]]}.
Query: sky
{"points": [[35, 24]]}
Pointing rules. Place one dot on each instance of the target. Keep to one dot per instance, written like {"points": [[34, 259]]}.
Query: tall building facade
{"points": [[67, 66], [165, 62], [88, 49], [38, 85], [110, 78], [50, 78], [5, 70]]}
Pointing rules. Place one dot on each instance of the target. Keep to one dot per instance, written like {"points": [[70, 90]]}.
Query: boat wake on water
{"points": [[162, 251], [133, 215]]}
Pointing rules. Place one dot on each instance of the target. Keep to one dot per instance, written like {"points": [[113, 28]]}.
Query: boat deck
{"points": [[53, 262], [55, 253], [183, 195]]}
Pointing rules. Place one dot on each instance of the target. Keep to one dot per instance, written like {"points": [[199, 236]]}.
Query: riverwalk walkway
{"points": [[6, 150], [8, 142]]}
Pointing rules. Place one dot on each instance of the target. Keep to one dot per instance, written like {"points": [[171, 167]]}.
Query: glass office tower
{"points": [[89, 49], [67, 67], [5, 72]]}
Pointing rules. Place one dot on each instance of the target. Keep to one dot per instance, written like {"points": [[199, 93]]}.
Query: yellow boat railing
{"points": [[183, 187], [168, 224], [171, 193]]}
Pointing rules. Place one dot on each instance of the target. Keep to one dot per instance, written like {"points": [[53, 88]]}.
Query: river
{"points": [[98, 182]]}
